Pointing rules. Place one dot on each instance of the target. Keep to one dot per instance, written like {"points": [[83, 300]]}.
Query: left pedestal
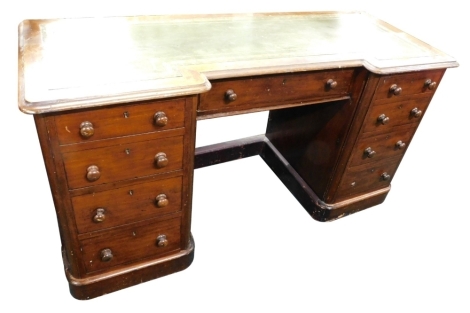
{"points": [[121, 178]]}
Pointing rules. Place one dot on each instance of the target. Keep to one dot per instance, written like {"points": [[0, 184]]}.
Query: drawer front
{"points": [[395, 86], [384, 117], [102, 210], [119, 121], [253, 92], [124, 161], [367, 178], [372, 149], [130, 243]]}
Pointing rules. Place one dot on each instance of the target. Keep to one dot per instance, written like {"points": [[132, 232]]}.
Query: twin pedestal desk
{"points": [[115, 101]]}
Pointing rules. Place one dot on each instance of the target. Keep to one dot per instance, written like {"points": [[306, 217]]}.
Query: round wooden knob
{"points": [[230, 95], [430, 84], [368, 152], [93, 173], [394, 89], [160, 118], [383, 119], [106, 255], [161, 160], [99, 215], [86, 129], [400, 144], [331, 84], [162, 241], [162, 200], [385, 176], [416, 113]]}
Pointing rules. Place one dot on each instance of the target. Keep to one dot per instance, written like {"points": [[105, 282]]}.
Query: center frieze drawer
{"points": [[130, 243], [123, 120], [125, 160], [110, 208], [256, 91]]}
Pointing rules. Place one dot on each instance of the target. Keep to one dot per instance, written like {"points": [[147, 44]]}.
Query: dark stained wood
{"points": [[312, 137], [410, 83], [119, 121], [311, 202], [127, 204], [125, 161], [228, 151], [263, 91]]}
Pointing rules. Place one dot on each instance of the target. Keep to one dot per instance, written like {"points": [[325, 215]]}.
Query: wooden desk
{"points": [[116, 101]]}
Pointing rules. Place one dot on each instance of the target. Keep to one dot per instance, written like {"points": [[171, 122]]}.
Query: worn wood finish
{"points": [[119, 121], [262, 91]]}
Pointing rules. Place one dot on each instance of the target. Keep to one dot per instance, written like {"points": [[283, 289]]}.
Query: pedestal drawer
{"points": [[372, 149], [383, 117], [123, 161], [110, 208], [395, 86], [366, 178], [130, 243], [120, 121]]}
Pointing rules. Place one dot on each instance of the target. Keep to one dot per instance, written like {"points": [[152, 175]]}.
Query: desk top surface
{"points": [[85, 62]]}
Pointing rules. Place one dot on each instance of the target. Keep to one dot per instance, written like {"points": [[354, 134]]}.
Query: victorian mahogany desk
{"points": [[116, 100]]}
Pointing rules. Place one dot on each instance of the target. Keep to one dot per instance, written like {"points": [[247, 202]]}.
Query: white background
{"points": [[256, 248]]}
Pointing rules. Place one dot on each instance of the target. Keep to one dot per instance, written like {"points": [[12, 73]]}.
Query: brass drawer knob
{"points": [[230, 95], [385, 176], [430, 84], [368, 152], [394, 89], [160, 118], [331, 84], [383, 119], [162, 241], [99, 216], [86, 129], [93, 173], [162, 200], [400, 144], [106, 255], [416, 113], [161, 160]]}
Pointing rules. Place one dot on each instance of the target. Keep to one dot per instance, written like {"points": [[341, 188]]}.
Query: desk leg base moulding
{"points": [[88, 288]]}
